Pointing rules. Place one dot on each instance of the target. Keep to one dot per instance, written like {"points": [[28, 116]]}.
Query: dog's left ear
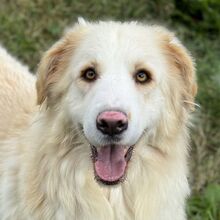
{"points": [[183, 62], [54, 64]]}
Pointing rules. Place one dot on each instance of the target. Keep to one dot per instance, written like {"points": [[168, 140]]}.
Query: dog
{"points": [[105, 134]]}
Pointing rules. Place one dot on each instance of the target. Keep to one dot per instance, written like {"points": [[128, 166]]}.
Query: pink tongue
{"points": [[110, 164]]}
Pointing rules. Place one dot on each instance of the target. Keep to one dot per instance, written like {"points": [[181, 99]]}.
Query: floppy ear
{"points": [[54, 64], [183, 62]]}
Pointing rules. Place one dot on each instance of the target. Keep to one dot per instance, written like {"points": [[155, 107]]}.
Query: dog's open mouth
{"points": [[110, 163]]}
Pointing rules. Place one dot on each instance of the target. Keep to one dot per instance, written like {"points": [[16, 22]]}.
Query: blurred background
{"points": [[29, 27]]}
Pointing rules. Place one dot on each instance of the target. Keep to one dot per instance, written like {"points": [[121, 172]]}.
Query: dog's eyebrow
{"points": [[142, 65], [93, 64]]}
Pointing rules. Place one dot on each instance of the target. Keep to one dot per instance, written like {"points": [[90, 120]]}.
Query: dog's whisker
{"points": [[192, 103]]}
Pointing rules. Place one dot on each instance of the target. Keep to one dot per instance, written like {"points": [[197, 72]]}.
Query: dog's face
{"points": [[118, 83]]}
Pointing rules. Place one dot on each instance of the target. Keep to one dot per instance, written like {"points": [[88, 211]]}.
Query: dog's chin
{"points": [[110, 163]]}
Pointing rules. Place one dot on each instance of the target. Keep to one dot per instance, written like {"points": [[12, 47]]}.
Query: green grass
{"points": [[29, 27], [205, 205]]}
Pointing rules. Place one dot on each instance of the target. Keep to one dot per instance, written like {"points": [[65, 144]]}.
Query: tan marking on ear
{"points": [[55, 62], [182, 61]]}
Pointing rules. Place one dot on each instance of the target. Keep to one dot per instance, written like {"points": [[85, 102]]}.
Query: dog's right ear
{"points": [[50, 70], [54, 63]]}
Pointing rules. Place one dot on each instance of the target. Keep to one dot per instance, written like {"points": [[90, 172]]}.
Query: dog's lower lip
{"points": [[129, 153], [94, 152]]}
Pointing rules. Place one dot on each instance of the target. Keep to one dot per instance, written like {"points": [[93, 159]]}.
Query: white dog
{"points": [[108, 138]]}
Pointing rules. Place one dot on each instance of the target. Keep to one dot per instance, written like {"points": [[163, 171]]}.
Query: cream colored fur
{"points": [[17, 94], [45, 167]]}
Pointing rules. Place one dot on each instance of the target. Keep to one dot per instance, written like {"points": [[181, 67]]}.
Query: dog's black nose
{"points": [[112, 122]]}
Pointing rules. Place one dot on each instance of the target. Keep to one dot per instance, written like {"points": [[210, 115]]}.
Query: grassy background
{"points": [[29, 27]]}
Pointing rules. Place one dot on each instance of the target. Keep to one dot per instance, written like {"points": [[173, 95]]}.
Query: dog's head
{"points": [[118, 82]]}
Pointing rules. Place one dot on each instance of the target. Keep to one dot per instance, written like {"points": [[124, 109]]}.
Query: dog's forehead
{"points": [[119, 41]]}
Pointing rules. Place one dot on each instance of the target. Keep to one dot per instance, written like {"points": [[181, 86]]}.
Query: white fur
{"points": [[46, 171]]}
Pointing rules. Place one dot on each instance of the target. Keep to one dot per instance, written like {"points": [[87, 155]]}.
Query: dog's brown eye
{"points": [[89, 74], [142, 76]]}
